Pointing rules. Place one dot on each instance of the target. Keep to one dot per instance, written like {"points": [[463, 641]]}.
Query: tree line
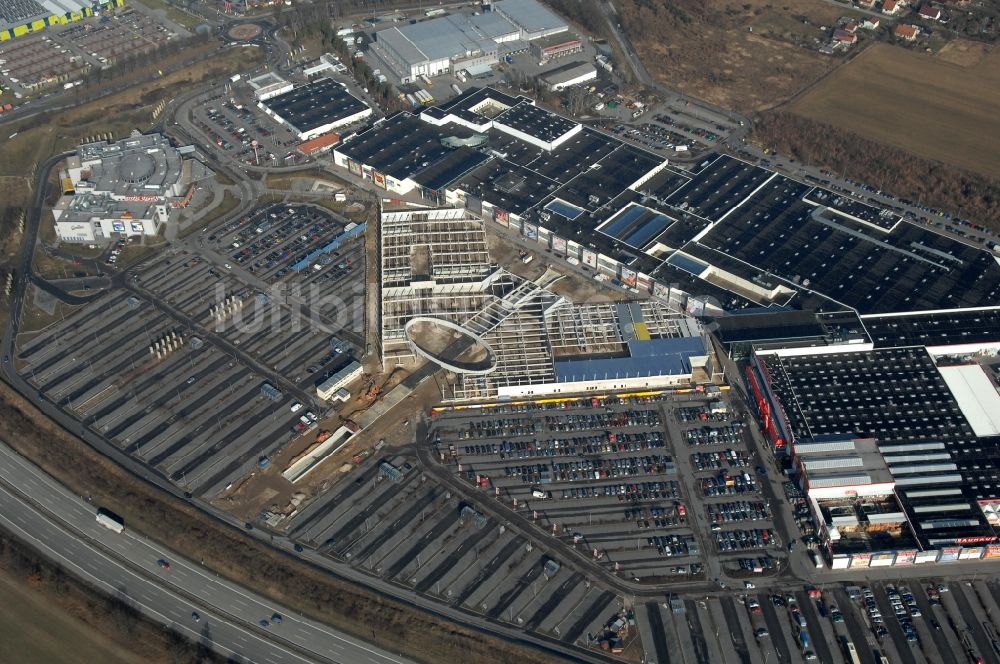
{"points": [[970, 195]]}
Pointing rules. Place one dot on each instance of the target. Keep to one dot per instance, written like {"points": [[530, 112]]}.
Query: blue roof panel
{"points": [[656, 357]]}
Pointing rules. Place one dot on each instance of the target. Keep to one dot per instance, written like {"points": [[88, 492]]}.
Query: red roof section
{"points": [[907, 31], [318, 143]]}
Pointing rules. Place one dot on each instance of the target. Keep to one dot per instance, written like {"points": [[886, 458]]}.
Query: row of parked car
{"points": [[576, 446], [725, 435], [670, 545], [729, 485], [737, 540], [737, 511], [715, 460], [590, 421]]}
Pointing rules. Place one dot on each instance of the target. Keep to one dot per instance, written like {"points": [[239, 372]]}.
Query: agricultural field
{"points": [[40, 631], [929, 106]]}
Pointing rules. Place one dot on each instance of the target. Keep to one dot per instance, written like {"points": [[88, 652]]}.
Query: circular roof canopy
{"points": [[136, 167], [450, 345]]}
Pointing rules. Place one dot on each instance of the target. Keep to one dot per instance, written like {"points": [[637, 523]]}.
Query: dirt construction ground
{"points": [[748, 55], [927, 105]]}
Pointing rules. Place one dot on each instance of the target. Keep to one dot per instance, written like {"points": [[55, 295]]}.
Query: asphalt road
{"points": [[63, 527]]}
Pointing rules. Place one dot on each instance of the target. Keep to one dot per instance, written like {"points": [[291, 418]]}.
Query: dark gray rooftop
{"points": [[536, 122], [315, 104]]}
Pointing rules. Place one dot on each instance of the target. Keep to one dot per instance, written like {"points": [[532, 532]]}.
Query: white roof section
{"points": [[830, 463], [530, 15], [928, 479], [976, 396], [446, 37], [911, 447], [842, 479], [934, 493], [941, 507], [826, 446]]}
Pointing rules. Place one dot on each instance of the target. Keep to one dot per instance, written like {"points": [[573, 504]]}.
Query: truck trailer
{"points": [[110, 520]]}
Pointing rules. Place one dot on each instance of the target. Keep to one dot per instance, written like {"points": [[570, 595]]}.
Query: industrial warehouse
{"points": [[127, 188], [448, 44], [21, 17], [312, 109]]}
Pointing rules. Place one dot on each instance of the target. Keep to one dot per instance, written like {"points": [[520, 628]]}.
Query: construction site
{"points": [[499, 335]]}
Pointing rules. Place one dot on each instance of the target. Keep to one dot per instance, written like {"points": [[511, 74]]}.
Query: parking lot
{"points": [[123, 35], [280, 242], [921, 621], [65, 53], [233, 123], [286, 328], [392, 520], [34, 62], [160, 390], [656, 137], [607, 474], [196, 368]]}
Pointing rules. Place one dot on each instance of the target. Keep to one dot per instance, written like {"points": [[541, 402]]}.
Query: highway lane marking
{"points": [[99, 580], [238, 590]]}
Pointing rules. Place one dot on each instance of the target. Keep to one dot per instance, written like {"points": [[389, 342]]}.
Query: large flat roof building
{"points": [[719, 235], [574, 73], [443, 44], [94, 217], [532, 18], [316, 108], [935, 427], [127, 187], [462, 41]]}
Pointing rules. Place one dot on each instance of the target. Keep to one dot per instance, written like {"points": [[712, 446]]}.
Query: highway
{"points": [[62, 526]]}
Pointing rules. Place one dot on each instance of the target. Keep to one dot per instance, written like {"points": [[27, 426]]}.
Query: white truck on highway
{"points": [[110, 520]]}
